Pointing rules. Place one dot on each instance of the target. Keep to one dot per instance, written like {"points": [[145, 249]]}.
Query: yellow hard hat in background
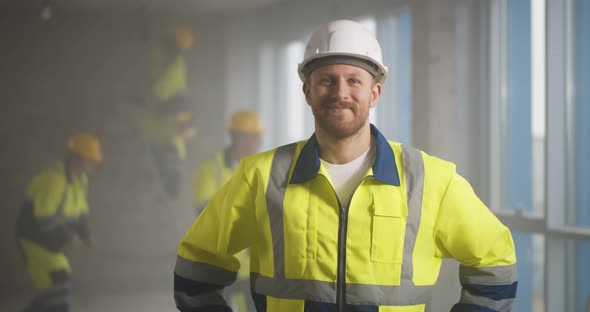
{"points": [[86, 146], [246, 121], [184, 37]]}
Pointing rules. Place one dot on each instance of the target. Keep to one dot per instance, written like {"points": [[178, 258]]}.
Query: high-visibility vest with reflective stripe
{"points": [[170, 79], [54, 209], [411, 211], [210, 177], [47, 190]]}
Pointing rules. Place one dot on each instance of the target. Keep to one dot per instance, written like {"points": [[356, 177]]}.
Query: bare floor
{"points": [[101, 302]]}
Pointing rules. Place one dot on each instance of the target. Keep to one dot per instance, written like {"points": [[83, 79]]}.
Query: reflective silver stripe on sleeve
{"points": [[414, 175], [500, 305], [202, 272], [498, 275]]}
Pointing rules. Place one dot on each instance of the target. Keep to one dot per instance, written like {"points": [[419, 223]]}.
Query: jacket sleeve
{"points": [[469, 232], [206, 263]]}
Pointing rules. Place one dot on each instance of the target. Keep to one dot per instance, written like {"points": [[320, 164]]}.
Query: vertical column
{"points": [[434, 89], [434, 103], [555, 248], [518, 147], [581, 150]]}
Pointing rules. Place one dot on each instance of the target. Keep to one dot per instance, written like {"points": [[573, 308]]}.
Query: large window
{"points": [[520, 133], [578, 132], [298, 112], [394, 32], [540, 86]]}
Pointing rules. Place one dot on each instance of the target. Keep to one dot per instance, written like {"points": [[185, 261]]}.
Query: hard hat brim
{"points": [[382, 69]]}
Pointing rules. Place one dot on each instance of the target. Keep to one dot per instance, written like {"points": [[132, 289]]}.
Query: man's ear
{"points": [[375, 94], [305, 89]]}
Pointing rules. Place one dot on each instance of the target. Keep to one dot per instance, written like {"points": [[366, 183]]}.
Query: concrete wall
{"points": [[89, 71]]}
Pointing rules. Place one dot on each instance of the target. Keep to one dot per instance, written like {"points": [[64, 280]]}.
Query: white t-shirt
{"points": [[346, 177]]}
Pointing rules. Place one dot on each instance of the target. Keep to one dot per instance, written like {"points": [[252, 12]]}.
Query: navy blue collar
{"points": [[384, 167]]}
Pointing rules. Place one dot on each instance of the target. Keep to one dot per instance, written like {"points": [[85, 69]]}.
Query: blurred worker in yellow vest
{"points": [[169, 123], [53, 218], [246, 137]]}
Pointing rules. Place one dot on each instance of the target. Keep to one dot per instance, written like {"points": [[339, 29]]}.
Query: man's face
{"points": [[246, 143], [80, 165], [340, 97], [88, 166]]}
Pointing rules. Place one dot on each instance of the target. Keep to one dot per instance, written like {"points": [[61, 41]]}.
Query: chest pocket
{"points": [[388, 226]]}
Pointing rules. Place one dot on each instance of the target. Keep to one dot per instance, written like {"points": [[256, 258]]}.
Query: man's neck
{"points": [[72, 171], [343, 150], [234, 156]]}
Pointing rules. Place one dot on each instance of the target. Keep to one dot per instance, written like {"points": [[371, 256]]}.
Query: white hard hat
{"points": [[348, 39]]}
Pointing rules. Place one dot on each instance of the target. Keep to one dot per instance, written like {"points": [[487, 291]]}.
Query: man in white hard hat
{"points": [[346, 220]]}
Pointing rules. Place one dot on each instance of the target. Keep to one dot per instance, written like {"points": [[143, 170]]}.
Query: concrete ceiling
{"points": [[198, 6]]}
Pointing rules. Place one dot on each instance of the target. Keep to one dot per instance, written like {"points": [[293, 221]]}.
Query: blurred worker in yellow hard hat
{"points": [[170, 73], [53, 218], [245, 132], [166, 131], [168, 123], [246, 137]]}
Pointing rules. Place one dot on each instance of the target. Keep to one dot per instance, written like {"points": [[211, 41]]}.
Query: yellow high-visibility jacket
{"points": [[170, 78], [381, 254], [211, 175], [54, 210]]}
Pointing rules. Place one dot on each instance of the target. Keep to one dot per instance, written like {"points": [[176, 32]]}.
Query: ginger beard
{"points": [[340, 97], [341, 119]]}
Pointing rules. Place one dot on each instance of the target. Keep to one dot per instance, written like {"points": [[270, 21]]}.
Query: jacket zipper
{"points": [[341, 258], [342, 231], [341, 278]]}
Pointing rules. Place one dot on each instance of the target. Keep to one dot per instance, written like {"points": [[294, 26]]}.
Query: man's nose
{"points": [[341, 90]]}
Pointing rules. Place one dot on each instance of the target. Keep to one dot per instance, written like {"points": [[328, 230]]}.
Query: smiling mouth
{"points": [[337, 106]]}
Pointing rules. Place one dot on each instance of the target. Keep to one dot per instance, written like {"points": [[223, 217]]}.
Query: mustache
{"points": [[338, 104]]}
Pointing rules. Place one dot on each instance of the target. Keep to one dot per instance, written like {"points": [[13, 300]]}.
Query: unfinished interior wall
{"points": [[90, 71]]}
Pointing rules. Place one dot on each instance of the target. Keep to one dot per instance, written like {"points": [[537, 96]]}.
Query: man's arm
{"points": [[206, 263], [468, 231]]}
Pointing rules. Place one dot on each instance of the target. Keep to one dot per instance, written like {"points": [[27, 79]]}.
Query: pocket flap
{"points": [[390, 204]]}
